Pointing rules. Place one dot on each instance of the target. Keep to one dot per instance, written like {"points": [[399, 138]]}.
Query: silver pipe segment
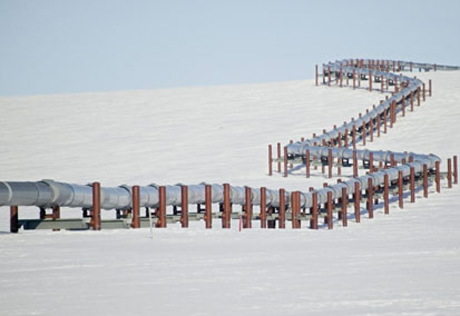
{"points": [[50, 193]]}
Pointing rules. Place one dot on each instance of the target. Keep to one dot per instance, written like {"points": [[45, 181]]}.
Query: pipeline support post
{"points": [[263, 207], [285, 161], [370, 194], [208, 206], [248, 208], [136, 221], [295, 205], [314, 211], [96, 211], [386, 197], [161, 211], [438, 176], [400, 189], [425, 180], [227, 207], [344, 207], [14, 219], [330, 204], [282, 209], [184, 206], [357, 202], [412, 184]]}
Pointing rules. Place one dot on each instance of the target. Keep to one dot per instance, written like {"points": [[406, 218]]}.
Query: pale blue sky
{"points": [[77, 46]]}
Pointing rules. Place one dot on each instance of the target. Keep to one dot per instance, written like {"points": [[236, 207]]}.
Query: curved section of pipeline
{"points": [[49, 193]]}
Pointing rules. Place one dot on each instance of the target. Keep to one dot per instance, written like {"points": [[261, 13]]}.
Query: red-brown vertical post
{"points": [[329, 76], [136, 220], [330, 205], [355, 164], [56, 213], [208, 205], [270, 160], [161, 211], [295, 209], [263, 207], [371, 130], [282, 210], [370, 196], [403, 106], [449, 173], [392, 160], [279, 156], [378, 125], [429, 88], [423, 91], [285, 161], [385, 119], [316, 75], [386, 197], [14, 219], [435, 67], [227, 207], [364, 133], [339, 160], [329, 161], [425, 180], [400, 187], [96, 211], [357, 201], [248, 208], [382, 82], [346, 137], [412, 184], [394, 66], [344, 207], [392, 114], [410, 67], [455, 170], [370, 81], [314, 211], [184, 206], [438, 176], [307, 163]]}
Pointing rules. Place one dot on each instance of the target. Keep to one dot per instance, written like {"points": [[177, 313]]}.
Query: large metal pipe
{"points": [[49, 193]]}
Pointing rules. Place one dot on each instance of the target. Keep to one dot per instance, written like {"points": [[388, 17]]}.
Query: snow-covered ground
{"points": [[407, 262]]}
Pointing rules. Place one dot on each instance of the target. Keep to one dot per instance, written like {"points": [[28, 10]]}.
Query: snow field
{"points": [[403, 263]]}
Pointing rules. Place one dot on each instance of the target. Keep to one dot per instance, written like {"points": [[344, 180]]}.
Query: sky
{"points": [[49, 47]]}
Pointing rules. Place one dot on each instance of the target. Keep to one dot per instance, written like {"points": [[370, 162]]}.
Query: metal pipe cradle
{"points": [[49, 193]]}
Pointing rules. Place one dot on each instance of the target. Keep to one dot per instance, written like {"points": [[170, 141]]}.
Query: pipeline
{"points": [[49, 193]]}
